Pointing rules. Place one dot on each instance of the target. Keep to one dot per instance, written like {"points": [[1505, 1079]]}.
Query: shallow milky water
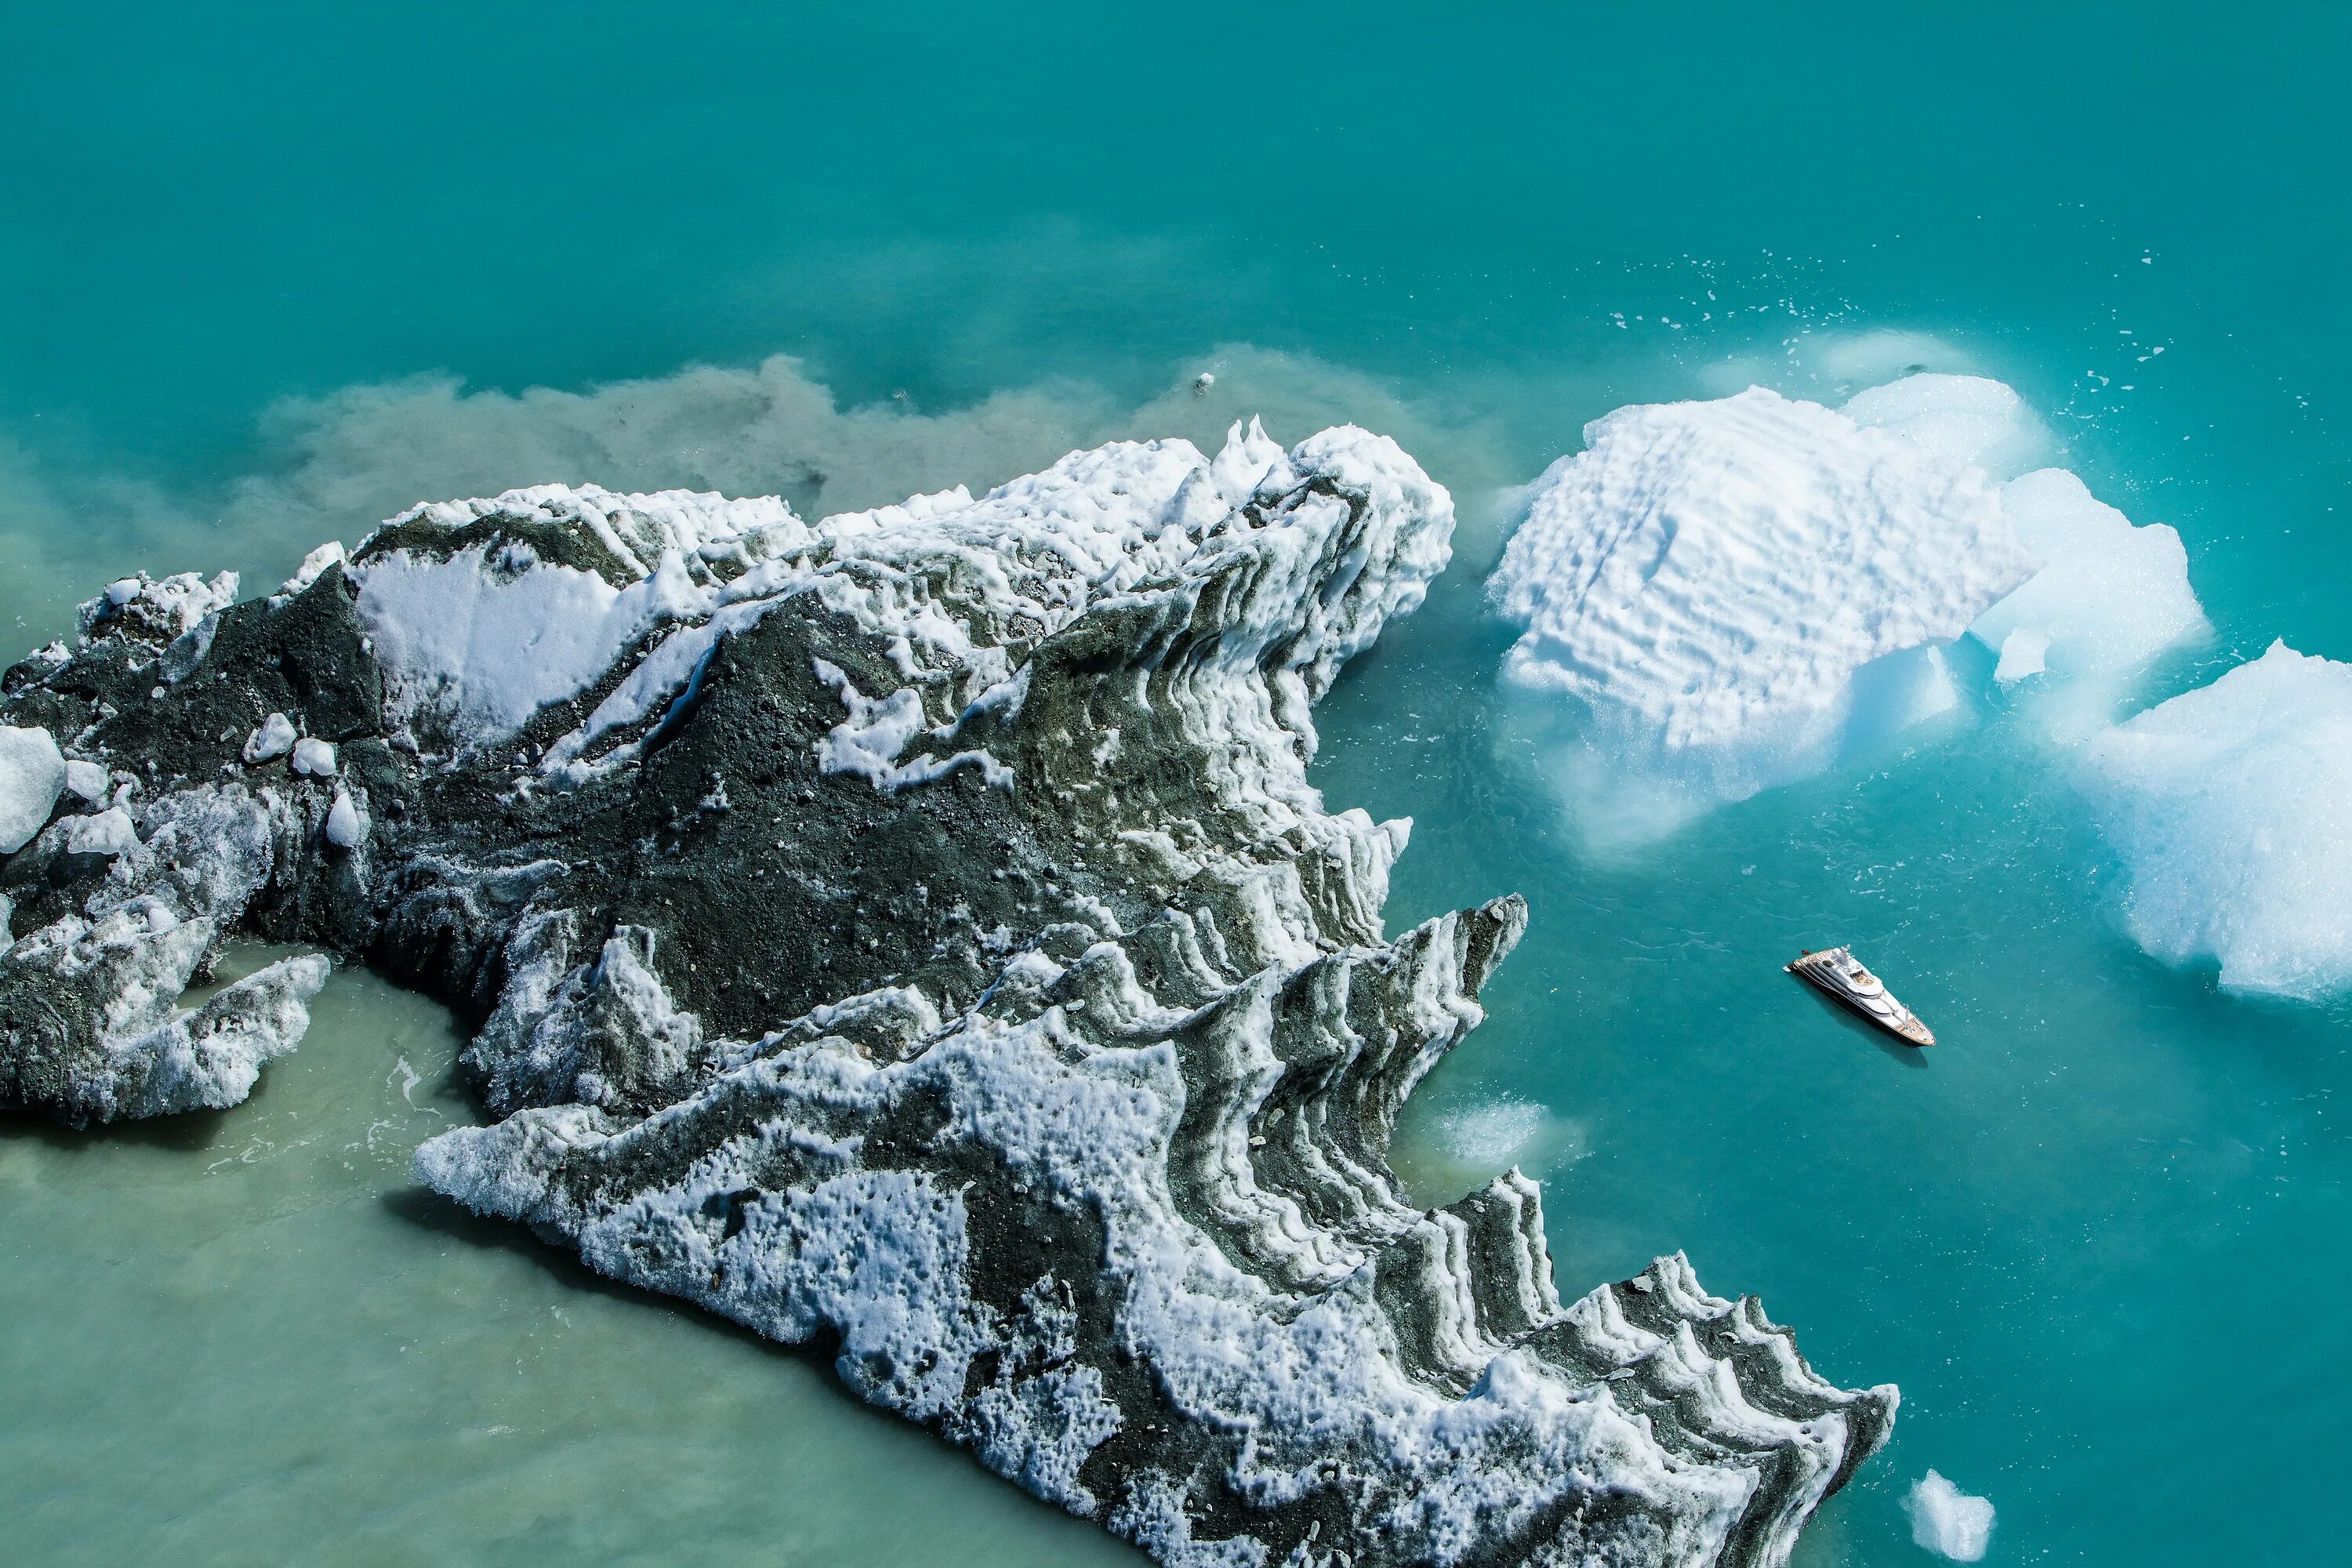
{"points": [[2093, 1236]]}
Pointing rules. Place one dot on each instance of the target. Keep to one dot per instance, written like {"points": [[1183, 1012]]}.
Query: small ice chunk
{"points": [[108, 833], [2023, 652], [1946, 1521], [315, 757], [121, 591], [1204, 381], [2226, 804], [32, 776], [87, 780], [272, 740], [345, 826]]}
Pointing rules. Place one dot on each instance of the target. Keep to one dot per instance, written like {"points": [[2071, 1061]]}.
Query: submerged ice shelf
{"points": [[913, 933]]}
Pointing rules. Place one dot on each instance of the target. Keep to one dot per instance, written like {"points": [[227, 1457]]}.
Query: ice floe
{"points": [[1736, 592], [2227, 806], [1946, 1521], [1709, 581]]}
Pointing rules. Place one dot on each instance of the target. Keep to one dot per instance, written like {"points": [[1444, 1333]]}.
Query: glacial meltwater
{"points": [[276, 272]]}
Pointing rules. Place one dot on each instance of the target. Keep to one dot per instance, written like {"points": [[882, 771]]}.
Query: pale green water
{"points": [[2095, 1238]]}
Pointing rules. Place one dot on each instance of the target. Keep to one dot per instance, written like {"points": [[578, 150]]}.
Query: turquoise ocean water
{"points": [[268, 272]]}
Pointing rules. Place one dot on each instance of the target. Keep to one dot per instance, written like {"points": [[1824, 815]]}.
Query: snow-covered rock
{"points": [[2227, 806], [32, 776], [915, 931], [1946, 1521]]}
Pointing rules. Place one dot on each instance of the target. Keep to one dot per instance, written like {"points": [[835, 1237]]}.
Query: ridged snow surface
{"points": [[1734, 593], [2228, 804], [914, 931]]}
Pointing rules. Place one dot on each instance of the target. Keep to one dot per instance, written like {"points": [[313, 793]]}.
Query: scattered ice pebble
{"points": [[1739, 591], [2023, 652], [1204, 381], [87, 780], [1946, 1521], [32, 776], [2111, 596], [2226, 804], [315, 757], [345, 826], [272, 740], [108, 833]]}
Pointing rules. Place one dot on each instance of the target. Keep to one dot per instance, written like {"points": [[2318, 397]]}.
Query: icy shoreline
{"points": [[914, 932]]}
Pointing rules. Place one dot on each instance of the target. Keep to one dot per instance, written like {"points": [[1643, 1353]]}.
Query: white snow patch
{"points": [[1946, 1521], [314, 567], [2228, 806], [32, 776]]}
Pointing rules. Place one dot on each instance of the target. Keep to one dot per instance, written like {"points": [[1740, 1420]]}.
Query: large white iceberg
{"points": [[1737, 593], [2232, 809]]}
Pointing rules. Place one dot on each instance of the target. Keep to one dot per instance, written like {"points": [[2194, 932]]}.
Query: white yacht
{"points": [[1840, 973]]}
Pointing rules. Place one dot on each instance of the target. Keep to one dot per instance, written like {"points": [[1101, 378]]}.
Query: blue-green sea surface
{"points": [[271, 271]]}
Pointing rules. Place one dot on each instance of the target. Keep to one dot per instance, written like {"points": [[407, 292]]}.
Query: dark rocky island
{"points": [[911, 934]]}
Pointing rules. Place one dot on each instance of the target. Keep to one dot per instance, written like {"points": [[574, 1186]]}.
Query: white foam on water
{"points": [[2229, 806], [1946, 1521]]}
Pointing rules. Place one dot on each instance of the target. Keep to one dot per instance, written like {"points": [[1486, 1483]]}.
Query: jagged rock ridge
{"points": [[914, 934]]}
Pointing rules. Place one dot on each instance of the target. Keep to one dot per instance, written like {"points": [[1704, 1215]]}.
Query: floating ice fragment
{"points": [[1739, 591], [2227, 807], [315, 757], [32, 776], [314, 567], [272, 740], [2023, 652], [2111, 597], [86, 779], [1946, 1521]]}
